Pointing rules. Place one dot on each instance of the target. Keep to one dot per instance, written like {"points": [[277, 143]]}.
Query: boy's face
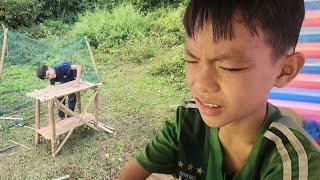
{"points": [[50, 73], [230, 80]]}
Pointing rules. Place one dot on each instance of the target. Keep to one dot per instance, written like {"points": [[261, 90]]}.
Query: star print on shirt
{"points": [[190, 167], [180, 164], [199, 171]]}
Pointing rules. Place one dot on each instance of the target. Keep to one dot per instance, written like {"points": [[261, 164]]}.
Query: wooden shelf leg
{"points": [[37, 123], [53, 127], [96, 108], [78, 95]]}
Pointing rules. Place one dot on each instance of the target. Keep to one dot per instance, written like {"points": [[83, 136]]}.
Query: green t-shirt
{"points": [[189, 149]]}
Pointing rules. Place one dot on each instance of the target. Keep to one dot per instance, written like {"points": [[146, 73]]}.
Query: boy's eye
{"points": [[191, 62], [231, 69]]}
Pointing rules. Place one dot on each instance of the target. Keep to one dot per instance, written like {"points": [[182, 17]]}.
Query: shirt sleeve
{"points": [[161, 154], [275, 168]]}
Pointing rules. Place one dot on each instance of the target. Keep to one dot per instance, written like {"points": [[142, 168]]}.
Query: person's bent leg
{"points": [[72, 99], [61, 113]]}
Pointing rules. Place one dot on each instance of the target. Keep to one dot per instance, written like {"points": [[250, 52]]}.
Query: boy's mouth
{"points": [[209, 109]]}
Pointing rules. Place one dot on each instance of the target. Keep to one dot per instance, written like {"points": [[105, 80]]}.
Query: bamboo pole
{"points": [[7, 49], [4, 48], [63, 108], [91, 55], [96, 108], [53, 126], [69, 112], [76, 124], [37, 123]]}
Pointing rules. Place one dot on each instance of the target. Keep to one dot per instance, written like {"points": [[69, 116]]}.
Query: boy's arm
{"points": [[160, 155], [133, 170], [78, 69]]}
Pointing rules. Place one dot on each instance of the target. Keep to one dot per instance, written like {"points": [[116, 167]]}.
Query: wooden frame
{"points": [[54, 129]]}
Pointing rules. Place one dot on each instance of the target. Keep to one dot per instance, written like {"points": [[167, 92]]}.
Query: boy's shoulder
{"points": [[62, 63], [287, 129], [289, 147]]}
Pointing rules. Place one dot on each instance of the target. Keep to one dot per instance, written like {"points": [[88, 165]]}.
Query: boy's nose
{"points": [[206, 82]]}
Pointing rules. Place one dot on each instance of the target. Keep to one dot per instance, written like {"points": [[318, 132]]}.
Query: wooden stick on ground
{"points": [[10, 118], [28, 127], [62, 178], [105, 129], [19, 144], [8, 148], [109, 127], [76, 124]]}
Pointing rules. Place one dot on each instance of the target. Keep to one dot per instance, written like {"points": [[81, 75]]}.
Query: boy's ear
{"points": [[290, 67]]}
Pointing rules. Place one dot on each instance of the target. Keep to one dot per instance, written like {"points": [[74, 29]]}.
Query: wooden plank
{"points": [[59, 90], [52, 127], [65, 125], [37, 123]]}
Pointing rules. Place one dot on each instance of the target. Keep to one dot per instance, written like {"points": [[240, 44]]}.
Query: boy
{"points": [[236, 51], [62, 72]]}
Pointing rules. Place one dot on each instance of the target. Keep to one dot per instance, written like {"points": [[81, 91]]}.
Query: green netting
{"points": [[25, 54]]}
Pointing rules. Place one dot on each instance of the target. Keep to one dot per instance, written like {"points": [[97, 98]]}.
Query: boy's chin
{"points": [[214, 122]]}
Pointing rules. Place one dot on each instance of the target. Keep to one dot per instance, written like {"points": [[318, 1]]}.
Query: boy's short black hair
{"points": [[41, 72], [279, 20]]}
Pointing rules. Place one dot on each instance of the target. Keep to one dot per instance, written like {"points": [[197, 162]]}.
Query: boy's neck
{"points": [[237, 140], [245, 130]]}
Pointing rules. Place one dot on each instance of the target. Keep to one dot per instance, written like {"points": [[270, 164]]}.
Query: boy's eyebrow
{"points": [[190, 53], [221, 57]]}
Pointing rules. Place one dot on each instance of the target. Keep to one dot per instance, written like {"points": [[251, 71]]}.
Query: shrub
{"points": [[167, 26], [112, 28], [171, 66]]}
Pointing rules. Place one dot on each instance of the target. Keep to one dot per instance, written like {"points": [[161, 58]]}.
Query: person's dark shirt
{"points": [[64, 73]]}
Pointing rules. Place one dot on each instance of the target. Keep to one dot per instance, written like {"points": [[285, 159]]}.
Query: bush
{"points": [[154, 4], [133, 51], [112, 28], [167, 26], [171, 66], [19, 12]]}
